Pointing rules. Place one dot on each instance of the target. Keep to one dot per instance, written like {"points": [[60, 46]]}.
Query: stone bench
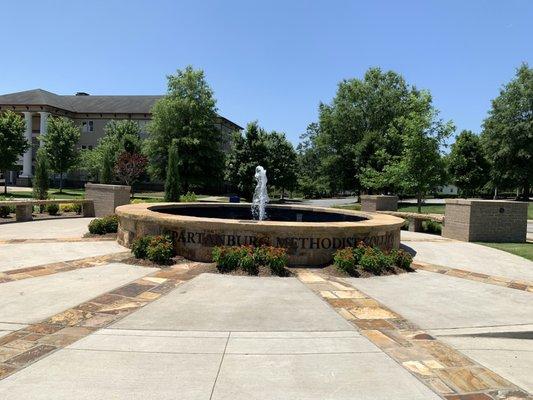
{"points": [[24, 208], [415, 219]]}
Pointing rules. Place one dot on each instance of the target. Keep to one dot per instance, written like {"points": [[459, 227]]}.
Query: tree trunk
{"points": [[419, 202], [495, 193], [61, 182], [5, 182]]}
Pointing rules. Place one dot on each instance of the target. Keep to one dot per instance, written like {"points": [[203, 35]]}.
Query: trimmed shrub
{"points": [[101, 226], [250, 259], [275, 258], [52, 209], [6, 210], [189, 197], [370, 262], [432, 227], [160, 249], [345, 260], [228, 258], [71, 207], [401, 258], [139, 247]]}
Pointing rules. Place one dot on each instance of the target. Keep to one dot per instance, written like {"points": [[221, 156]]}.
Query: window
{"points": [[87, 126]]}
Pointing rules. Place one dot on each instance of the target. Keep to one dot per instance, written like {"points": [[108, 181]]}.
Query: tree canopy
{"points": [[12, 140], [508, 133], [187, 114], [60, 143], [362, 119], [467, 166]]}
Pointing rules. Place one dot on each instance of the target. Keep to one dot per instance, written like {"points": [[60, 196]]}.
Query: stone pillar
{"points": [[485, 220], [26, 159], [44, 124], [24, 212], [107, 197], [371, 203]]}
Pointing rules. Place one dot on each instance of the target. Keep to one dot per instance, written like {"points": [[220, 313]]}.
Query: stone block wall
{"points": [[485, 220], [107, 197], [372, 203]]}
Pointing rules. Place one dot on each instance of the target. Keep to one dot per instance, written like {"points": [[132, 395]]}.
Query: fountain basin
{"points": [[311, 235]]}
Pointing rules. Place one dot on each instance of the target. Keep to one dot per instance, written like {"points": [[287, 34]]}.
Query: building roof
{"points": [[85, 104]]}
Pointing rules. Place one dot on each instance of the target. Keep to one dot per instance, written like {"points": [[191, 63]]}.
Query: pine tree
{"points": [[106, 173], [41, 178], [172, 182]]}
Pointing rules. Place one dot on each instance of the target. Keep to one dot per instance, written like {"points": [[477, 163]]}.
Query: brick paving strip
{"points": [[62, 266], [443, 369], [21, 348], [475, 276]]}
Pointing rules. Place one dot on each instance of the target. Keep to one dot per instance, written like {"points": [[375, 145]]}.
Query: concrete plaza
{"points": [[78, 325]]}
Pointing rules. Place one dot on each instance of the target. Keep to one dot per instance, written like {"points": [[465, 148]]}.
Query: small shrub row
{"points": [[158, 248], [250, 259], [6, 210], [101, 226], [52, 208], [71, 207], [370, 259], [189, 197]]}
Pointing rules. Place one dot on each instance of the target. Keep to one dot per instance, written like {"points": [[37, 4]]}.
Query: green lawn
{"points": [[530, 210], [520, 249], [52, 194], [426, 208]]}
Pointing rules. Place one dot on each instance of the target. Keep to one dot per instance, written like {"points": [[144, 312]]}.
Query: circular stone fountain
{"points": [[310, 234]]}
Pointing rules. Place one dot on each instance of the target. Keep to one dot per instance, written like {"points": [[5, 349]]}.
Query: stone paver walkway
{"points": [[87, 326], [53, 228]]}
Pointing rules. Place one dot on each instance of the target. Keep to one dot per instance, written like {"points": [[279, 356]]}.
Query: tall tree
{"points": [[420, 167], [508, 133], [130, 167], [172, 181], [282, 162], [188, 114], [13, 144], [60, 143], [250, 149], [41, 180], [120, 136], [467, 166], [358, 122], [310, 178]]}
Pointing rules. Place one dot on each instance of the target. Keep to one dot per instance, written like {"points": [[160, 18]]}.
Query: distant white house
{"points": [[447, 189]]}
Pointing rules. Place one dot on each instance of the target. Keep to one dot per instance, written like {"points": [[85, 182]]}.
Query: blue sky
{"points": [[273, 61]]}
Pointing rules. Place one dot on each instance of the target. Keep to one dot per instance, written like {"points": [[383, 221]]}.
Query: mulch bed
{"points": [[42, 216], [333, 271], [200, 267]]}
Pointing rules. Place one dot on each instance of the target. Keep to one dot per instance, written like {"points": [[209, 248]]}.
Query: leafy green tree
{"points": [[467, 166], [188, 114], [172, 182], [310, 179], [282, 162], [508, 133], [420, 167], [41, 180], [250, 149], [60, 143], [13, 144], [359, 122]]}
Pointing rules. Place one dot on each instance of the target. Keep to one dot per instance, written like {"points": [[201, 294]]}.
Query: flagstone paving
{"points": [[90, 327], [490, 324]]}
